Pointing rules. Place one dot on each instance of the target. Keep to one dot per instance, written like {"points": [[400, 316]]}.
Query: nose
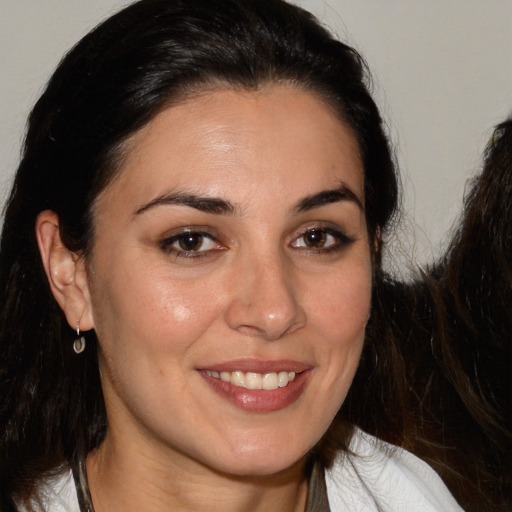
{"points": [[264, 301]]}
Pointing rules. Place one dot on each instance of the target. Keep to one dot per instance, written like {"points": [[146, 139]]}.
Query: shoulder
{"points": [[56, 494], [376, 476]]}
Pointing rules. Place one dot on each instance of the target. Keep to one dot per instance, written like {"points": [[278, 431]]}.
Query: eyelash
{"points": [[341, 240], [168, 244]]}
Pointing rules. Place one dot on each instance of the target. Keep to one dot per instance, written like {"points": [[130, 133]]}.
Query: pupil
{"points": [[191, 242], [315, 238]]}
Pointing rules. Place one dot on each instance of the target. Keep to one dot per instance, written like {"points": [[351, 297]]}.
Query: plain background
{"points": [[442, 77]]}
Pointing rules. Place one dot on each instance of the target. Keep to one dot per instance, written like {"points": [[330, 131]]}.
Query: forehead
{"points": [[241, 143]]}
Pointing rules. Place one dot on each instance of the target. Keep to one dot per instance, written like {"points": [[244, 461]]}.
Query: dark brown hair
{"points": [[107, 87], [454, 330]]}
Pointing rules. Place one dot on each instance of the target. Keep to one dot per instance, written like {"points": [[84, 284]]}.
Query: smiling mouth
{"points": [[252, 380]]}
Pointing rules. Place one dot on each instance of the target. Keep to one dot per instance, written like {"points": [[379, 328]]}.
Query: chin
{"points": [[252, 471], [261, 462]]}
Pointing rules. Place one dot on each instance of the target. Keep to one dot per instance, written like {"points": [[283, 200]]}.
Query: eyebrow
{"points": [[342, 193], [204, 204], [223, 207]]}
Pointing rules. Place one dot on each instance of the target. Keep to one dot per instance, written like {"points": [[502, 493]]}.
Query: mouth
{"points": [[258, 386], [253, 380]]}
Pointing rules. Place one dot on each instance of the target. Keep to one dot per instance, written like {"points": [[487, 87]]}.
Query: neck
{"points": [[130, 480]]}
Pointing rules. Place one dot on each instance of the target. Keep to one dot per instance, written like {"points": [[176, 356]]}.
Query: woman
{"points": [[187, 265]]}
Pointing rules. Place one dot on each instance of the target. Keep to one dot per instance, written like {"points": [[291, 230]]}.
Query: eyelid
{"points": [[192, 228], [328, 226], [343, 240], [166, 242]]}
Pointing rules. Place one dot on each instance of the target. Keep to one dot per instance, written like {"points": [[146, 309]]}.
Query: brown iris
{"points": [[315, 238], [191, 241]]}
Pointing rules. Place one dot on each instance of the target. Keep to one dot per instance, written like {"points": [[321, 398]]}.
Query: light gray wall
{"points": [[442, 70]]}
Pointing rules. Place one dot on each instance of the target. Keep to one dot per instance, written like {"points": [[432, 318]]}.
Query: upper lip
{"points": [[258, 366]]}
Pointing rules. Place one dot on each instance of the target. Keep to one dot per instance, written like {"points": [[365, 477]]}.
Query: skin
{"points": [[253, 290]]}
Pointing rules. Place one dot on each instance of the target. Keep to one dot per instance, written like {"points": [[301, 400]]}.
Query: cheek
{"points": [[341, 306], [148, 325], [338, 313], [150, 311]]}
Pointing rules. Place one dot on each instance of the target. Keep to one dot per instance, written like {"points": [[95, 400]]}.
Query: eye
{"points": [[321, 240], [191, 244]]}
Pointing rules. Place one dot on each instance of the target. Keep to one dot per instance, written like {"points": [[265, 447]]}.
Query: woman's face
{"points": [[230, 281]]}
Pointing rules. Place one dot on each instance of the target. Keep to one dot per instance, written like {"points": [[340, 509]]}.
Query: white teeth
{"points": [[252, 380], [238, 379], [270, 381], [283, 378]]}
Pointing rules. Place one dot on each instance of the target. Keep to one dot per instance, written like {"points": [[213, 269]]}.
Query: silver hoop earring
{"points": [[79, 343]]}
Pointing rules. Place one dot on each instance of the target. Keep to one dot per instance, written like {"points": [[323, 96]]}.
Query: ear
{"points": [[66, 272]]}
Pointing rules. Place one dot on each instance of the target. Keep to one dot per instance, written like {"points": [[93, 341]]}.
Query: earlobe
{"points": [[65, 271]]}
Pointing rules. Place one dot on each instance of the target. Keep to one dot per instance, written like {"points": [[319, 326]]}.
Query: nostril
{"points": [[270, 332], [250, 330]]}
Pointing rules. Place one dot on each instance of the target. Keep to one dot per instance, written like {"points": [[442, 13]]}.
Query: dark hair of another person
{"points": [[113, 82], [454, 325]]}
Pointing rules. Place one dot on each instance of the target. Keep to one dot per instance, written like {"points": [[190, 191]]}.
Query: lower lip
{"points": [[259, 400]]}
